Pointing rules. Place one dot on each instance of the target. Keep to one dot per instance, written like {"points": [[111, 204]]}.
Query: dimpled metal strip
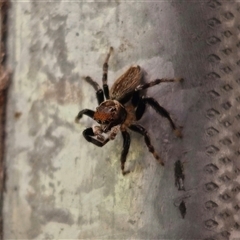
{"points": [[222, 173]]}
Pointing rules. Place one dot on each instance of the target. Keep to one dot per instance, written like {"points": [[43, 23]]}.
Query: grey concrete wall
{"points": [[61, 187]]}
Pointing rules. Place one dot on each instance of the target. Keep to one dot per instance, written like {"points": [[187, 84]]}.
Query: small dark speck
{"points": [[132, 221], [179, 175], [182, 209], [77, 34], [17, 115], [76, 160], [26, 12]]}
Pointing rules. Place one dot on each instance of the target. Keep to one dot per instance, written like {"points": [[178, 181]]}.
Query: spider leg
{"points": [[126, 145], [139, 129], [89, 134], [155, 82], [140, 106], [87, 112], [105, 74], [163, 112], [99, 91], [140, 110]]}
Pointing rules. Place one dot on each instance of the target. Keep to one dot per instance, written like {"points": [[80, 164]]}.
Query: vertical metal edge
{"points": [[222, 171], [4, 83]]}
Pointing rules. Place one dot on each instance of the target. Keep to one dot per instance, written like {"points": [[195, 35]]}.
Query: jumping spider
{"points": [[123, 107]]}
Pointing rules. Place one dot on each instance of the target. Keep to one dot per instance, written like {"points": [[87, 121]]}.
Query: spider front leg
{"points": [[99, 91], [89, 136], [87, 112], [139, 129], [105, 74]]}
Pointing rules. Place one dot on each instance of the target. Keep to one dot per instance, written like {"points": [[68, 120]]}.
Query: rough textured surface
{"points": [[61, 187]]}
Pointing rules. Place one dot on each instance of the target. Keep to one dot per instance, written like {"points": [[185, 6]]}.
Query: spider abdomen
{"points": [[126, 83]]}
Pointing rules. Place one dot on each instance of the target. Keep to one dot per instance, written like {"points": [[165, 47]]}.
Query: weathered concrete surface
{"points": [[61, 187]]}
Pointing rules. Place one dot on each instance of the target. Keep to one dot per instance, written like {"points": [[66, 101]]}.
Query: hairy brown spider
{"points": [[123, 107]]}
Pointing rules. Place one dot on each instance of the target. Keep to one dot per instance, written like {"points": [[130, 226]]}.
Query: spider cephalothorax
{"points": [[109, 114], [123, 107]]}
